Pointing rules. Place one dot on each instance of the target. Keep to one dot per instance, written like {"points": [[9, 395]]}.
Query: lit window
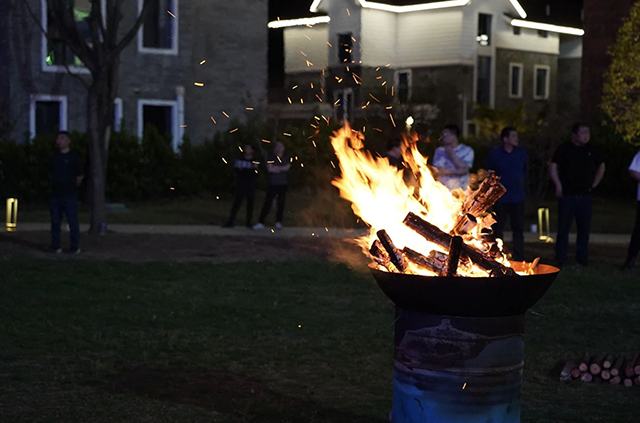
{"points": [[541, 82], [345, 47], [48, 114], [515, 80], [484, 29], [159, 31]]}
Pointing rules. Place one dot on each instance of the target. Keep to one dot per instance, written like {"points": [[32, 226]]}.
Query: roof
{"points": [[556, 12]]}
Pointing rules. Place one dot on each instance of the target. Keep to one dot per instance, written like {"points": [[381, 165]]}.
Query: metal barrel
{"points": [[457, 369]]}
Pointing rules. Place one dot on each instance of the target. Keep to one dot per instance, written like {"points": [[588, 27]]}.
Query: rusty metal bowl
{"points": [[465, 296]]}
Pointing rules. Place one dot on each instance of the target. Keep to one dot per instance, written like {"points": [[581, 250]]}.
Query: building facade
{"points": [[193, 67], [432, 57]]}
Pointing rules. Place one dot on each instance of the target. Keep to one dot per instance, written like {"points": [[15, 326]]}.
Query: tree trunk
{"points": [[99, 110]]}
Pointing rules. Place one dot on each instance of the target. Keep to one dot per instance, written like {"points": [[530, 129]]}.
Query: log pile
{"points": [[614, 369]]}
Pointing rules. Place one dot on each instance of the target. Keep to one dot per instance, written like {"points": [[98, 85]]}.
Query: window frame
{"points": [[43, 51], [520, 84], [173, 51], [347, 108], [547, 82], [396, 82], [349, 60], [175, 142], [118, 114], [63, 113], [489, 35]]}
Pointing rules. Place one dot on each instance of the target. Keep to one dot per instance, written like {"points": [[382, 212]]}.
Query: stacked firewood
{"points": [[604, 368], [459, 255]]}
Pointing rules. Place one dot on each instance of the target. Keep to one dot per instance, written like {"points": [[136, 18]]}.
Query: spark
{"points": [[202, 63], [387, 65], [313, 234], [383, 84], [301, 101], [307, 37], [325, 119], [465, 385], [172, 188], [314, 126], [267, 141], [301, 164], [299, 326], [183, 126], [336, 102], [322, 90], [378, 68], [225, 114], [311, 84], [286, 135], [377, 129], [366, 105], [332, 165], [379, 77], [272, 231], [294, 87], [303, 53], [217, 197], [348, 69], [389, 107], [314, 144], [329, 44], [249, 109], [172, 15], [225, 162], [198, 84], [309, 64], [319, 98], [392, 91], [233, 130], [371, 95], [289, 99], [326, 229], [240, 148], [213, 120], [392, 121], [348, 13]]}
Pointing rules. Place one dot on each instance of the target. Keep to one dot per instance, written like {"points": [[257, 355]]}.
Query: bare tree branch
{"points": [[63, 13], [49, 38], [133, 31]]}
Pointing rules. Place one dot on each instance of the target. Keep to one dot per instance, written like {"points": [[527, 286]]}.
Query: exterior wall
{"points": [[5, 118], [315, 47], [602, 21], [341, 22], [528, 60], [379, 37], [569, 85], [234, 74], [429, 38], [571, 47]]}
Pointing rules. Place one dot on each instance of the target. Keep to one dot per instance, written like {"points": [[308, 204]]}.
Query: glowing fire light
{"points": [[382, 197]]}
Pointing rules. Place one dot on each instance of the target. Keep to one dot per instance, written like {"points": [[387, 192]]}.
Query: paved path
{"points": [[289, 232]]}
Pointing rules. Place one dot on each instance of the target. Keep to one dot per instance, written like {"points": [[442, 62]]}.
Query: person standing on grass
{"points": [[278, 164], [634, 244], [510, 162], [576, 169], [246, 170], [66, 176], [453, 160]]}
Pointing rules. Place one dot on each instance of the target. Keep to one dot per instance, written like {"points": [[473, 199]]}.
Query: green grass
{"points": [[107, 341], [308, 208]]}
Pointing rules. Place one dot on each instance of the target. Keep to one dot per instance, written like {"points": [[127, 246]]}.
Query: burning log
{"points": [[485, 196], [429, 263], [381, 256], [465, 224], [455, 248], [433, 234], [395, 256]]}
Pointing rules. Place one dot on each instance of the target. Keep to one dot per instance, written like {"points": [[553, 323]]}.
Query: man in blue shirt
{"points": [[510, 162]]}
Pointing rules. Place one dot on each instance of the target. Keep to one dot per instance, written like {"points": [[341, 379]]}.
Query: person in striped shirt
{"points": [[453, 160]]}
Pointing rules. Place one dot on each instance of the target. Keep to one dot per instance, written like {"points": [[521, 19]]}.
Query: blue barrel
{"points": [[457, 369]]}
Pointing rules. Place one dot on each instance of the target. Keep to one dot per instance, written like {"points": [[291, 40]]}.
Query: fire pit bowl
{"points": [[465, 296]]}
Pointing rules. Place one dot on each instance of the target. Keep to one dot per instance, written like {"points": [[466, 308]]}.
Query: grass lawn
{"points": [[300, 341], [312, 209]]}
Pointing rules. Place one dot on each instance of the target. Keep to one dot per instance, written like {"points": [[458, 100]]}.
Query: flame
{"points": [[381, 195]]}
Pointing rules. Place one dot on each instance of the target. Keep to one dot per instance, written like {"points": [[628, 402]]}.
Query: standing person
{"points": [[634, 244], [576, 169], [394, 152], [453, 159], [66, 176], [510, 162], [246, 170], [278, 164]]}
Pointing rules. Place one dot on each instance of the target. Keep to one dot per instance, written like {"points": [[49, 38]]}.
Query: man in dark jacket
{"points": [[246, 169], [66, 176], [576, 169], [278, 164], [510, 162]]}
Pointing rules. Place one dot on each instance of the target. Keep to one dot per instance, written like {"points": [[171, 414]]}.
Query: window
{"points": [[345, 47], [344, 104], [56, 54], [483, 80], [541, 82], [484, 29], [515, 80], [403, 84], [159, 31], [47, 114], [163, 114], [543, 34], [117, 114], [517, 30]]}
